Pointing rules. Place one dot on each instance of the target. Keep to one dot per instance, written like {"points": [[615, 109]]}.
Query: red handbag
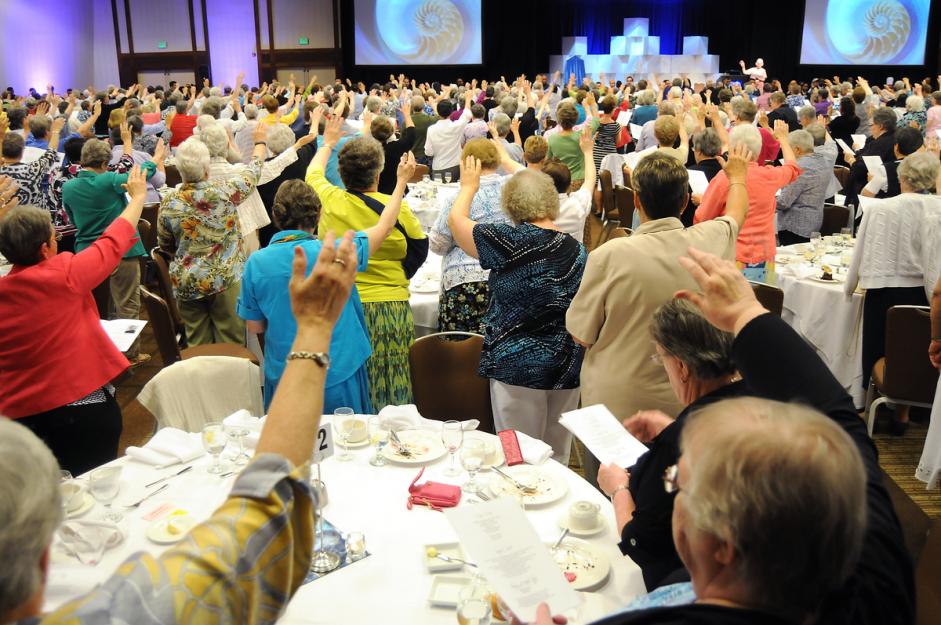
{"points": [[435, 495]]}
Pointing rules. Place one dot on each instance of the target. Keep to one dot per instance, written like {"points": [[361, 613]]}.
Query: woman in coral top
{"points": [[56, 362]]}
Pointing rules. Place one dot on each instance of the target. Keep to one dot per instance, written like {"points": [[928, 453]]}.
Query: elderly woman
{"points": [[265, 303], [888, 258], [915, 115], [698, 360], [140, 156], [933, 115], [243, 137], [56, 362], [564, 144], [466, 297], [393, 149], [30, 177], [756, 246], [280, 140], [383, 287], [199, 225], [646, 109], [252, 213], [881, 144], [535, 270]]}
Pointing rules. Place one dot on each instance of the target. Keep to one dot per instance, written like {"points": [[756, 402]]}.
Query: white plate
{"points": [[425, 446], [564, 523], [583, 560], [87, 505], [425, 288], [446, 590], [495, 458], [158, 532], [549, 488], [436, 565], [837, 279]]}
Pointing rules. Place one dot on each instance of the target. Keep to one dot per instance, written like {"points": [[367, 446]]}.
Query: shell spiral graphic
{"points": [[421, 31], [886, 26]]}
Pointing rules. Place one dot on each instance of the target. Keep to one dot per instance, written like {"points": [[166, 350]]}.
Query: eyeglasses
{"points": [[656, 358], [670, 479]]}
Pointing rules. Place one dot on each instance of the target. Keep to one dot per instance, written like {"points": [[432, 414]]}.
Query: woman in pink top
{"points": [[934, 117], [755, 247]]}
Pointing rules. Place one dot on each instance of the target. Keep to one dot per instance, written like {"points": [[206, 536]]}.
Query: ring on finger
{"points": [[340, 262]]}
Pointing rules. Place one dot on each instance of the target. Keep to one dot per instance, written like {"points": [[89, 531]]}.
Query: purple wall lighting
{"points": [[232, 40]]}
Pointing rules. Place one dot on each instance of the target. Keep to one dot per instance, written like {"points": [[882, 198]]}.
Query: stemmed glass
{"points": [[473, 607], [104, 484], [237, 434], [847, 235], [214, 440], [378, 436], [473, 453], [447, 177], [452, 435], [343, 426]]}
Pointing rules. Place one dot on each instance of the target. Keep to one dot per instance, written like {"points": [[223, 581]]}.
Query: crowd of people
{"points": [[290, 221]]}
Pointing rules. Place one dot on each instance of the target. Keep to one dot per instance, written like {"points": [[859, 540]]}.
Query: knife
{"points": [[146, 497], [180, 472]]}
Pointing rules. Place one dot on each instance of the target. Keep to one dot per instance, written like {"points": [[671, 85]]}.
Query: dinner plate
{"points": [[495, 457], [836, 279], [583, 564], [424, 445], [159, 531], [87, 503], [549, 488], [564, 523], [427, 287]]}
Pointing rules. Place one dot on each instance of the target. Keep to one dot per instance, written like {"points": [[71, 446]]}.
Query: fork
{"points": [[146, 497], [519, 485], [398, 444]]}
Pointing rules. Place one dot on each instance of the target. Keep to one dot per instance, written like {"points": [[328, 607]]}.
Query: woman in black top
{"points": [[844, 126], [698, 361]]}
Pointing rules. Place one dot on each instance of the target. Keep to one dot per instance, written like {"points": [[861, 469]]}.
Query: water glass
{"points": [[342, 418], [447, 177], [355, 546], [378, 436], [104, 484], [452, 436], [237, 435], [214, 440], [847, 235], [473, 453], [473, 603]]}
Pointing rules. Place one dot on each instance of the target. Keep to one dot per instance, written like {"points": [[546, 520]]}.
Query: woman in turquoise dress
{"points": [[265, 304]]}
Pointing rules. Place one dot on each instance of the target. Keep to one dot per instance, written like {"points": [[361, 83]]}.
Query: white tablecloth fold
{"points": [[168, 446]]}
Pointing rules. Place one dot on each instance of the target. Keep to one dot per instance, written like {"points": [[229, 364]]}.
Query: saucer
{"points": [[87, 505], [159, 532], [563, 523]]}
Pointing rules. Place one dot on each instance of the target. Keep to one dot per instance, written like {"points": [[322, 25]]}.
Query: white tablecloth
{"points": [[392, 584], [425, 304]]}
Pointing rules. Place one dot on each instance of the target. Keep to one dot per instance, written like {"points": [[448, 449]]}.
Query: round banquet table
{"points": [[825, 317], [392, 584], [424, 294]]}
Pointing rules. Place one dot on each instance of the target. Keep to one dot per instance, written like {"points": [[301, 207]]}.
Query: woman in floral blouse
{"points": [[199, 223]]}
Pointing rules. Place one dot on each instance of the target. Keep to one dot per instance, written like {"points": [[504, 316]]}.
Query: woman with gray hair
{"points": [[698, 360], [915, 115], [535, 270], [281, 139]]}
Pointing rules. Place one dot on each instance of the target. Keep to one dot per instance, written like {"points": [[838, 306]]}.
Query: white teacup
{"points": [[73, 495], [356, 429], [583, 515]]}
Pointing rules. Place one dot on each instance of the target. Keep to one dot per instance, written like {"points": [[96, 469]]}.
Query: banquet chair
{"points": [[165, 286], [624, 202], [190, 393], [445, 381], [173, 175], [168, 341], [842, 174], [835, 218], [904, 375], [613, 163], [420, 172], [771, 297]]}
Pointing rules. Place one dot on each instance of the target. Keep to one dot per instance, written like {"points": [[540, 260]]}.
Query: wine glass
{"points": [[214, 440], [473, 453], [104, 484], [473, 607], [237, 434], [452, 435], [847, 235], [447, 177], [343, 427], [378, 436]]}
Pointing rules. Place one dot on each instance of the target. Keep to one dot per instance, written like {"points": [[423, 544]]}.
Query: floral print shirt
{"points": [[65, 173], [201, 221]]}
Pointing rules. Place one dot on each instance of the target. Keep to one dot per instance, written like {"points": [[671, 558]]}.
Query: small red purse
{"points": [[435, 495]]}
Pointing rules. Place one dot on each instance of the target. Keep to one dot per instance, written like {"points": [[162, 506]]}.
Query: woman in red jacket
{"points": [[56, 362]]}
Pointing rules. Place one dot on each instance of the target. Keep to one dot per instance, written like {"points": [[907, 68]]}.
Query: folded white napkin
{"points": [[800, 271], [168, 446], [244, 418], [534, 450], [87, 540], [404, 417]]}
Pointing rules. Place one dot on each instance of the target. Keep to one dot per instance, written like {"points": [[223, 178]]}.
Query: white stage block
{"points": [[597, 63], [652, 45], [695, 45], [572, 46], [641, 45], [618, 45], [636, 27]]}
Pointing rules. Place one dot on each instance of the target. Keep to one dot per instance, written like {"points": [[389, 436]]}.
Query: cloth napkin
{"points": [[88, 540], [168, 446], [243, 418], [404, 417], [799, 271], [534, 450]]}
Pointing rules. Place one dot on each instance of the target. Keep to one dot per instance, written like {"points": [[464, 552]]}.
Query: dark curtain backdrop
{"points": [[519, 36]]}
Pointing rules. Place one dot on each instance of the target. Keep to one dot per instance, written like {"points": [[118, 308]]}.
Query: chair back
{"points": [[102, 294], [771, 297], [162, 325], [835, 218], [624, 202], [420, 172], [842, 174], [162, 262], [626, 175], [909, 374], [608, 209], [927, 574], [150, 212], [445, 381], [173, 175], [148, 234]]}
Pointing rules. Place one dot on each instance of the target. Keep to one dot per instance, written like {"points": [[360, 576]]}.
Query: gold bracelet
{"points": [[321, 358]]}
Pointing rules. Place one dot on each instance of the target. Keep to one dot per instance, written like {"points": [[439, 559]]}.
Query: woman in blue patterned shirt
{"points": [[535, 270]]}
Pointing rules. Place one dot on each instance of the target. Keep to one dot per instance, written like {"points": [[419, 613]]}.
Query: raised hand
{"points": [[727, 301], [318, 299], [406, 168], [126, 137], [8, 190], [332, 133], [736, 167], [160, 152], [136, 185], [260, 133], [470, 174], [585, 141], [780, 130]]}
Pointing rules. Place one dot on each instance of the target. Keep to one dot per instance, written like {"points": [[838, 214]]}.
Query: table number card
{"points": [[516, 562], [323, 445], [603, 435]]}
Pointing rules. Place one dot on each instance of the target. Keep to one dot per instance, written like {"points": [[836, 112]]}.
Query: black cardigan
{"points": [[777, 364]]}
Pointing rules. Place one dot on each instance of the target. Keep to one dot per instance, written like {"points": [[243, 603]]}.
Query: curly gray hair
{"points": [[192, 160], [918, 172], [530, 195], [361, 161], [280, 137], [216, 139]]}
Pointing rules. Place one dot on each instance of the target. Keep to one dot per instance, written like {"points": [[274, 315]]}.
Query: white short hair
{"points": [[215, 91], [919, 171], [251, 111], [31, 511], [747, 135], [915, 103], [280, 137], [203, 122], [802, 140], [646, 97], [192, 160], [216, 139]]}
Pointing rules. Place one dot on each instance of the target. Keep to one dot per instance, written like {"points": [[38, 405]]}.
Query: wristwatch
{"points": [[618, 489], [321, 358]]}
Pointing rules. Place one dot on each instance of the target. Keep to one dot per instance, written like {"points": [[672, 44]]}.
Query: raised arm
{"points": [[781, 134], [462, 226], [736, 170], [390, 214], [587, 144]]}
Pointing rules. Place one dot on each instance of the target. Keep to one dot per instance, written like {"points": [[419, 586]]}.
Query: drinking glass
{"points": [[378, 436], [237, 434], [64, 476], [426, 180], [473, 453], [104, 484], [452, 435], [342, 427], [473, 607], [447, 177], [214, 440], [847, 235], [355, 546]]}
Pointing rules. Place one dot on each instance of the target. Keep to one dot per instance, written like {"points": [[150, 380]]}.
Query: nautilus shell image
{"points": [[880, 29], [421, 31]]}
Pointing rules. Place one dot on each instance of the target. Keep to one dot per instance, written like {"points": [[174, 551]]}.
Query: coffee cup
{"points": [[583, 515], [73, 495], [356, 430]]}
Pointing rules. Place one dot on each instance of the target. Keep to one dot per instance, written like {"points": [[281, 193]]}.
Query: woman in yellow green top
{"points": [[383, 287]]}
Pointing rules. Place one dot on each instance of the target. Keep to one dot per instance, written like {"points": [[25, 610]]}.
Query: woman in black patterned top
{"points": [[535, 270], [605, 131]]}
